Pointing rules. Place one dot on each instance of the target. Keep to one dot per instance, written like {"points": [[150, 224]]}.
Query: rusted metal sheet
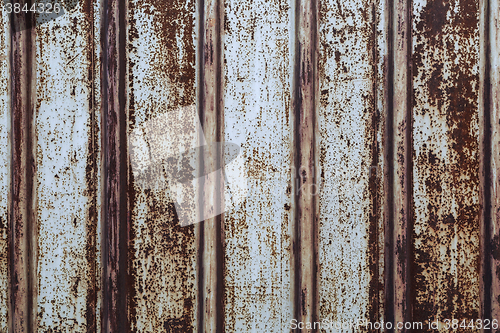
{"points": [[369, 150], [256, 76], [66, 180], [444, 96], [351, 117], [161, 78], [5, 174]]}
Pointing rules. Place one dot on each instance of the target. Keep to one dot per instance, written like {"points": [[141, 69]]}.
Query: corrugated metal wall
{"points": [[370, 144]]}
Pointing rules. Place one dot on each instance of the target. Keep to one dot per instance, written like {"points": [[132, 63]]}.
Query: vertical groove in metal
{"points": [[389, 172], [200, 92], [306, 167], [22, 220], [486, 163], [115, 216], [409, 163], [211, 120], [492, 253]]}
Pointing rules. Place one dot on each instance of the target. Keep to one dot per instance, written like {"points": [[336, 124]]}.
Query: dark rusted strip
{"points": [[22, 222], [305, 104], [212, 123], [389, 170], [486, 166], [115, 203], [91, 178]]}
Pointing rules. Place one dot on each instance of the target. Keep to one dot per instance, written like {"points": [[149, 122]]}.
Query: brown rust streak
{"points": [[21, 219], [401, 160], [212, 124], [91, 174], [115, 222], [447, 94], [306, 126]]}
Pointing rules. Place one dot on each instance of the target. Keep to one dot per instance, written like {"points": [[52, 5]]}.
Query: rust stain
{"points": [[446, 234], [162, 254]]}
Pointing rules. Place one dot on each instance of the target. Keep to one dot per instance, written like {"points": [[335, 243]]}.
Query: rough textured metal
{"points": [[5, 174], [445, 251], [256, 76], [401, 157], [22, 221], [162, 255], [67, 173], [361, 124], [352, 74], [305, 107], [494, 103], [210, 246]]}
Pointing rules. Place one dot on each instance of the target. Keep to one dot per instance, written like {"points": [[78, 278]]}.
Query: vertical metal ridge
{"points": [[401, 154], [295, 117], [390, 172], [199, 231], [210, 113], [22, 215], [306, 214], [104, 171], [492, 99], [486, 180], [409, 162], [219, 231], [489, 287], [116, 217]]}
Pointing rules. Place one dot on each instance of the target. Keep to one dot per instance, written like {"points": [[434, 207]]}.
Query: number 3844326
{"points": [[486, 324], [41, 7]]}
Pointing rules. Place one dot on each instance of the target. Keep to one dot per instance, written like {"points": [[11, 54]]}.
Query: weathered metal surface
{"points": [[161, 75], [445, 245], [67, 174], [256, 76], [352, 74], [361, 125], [5, 173]]}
